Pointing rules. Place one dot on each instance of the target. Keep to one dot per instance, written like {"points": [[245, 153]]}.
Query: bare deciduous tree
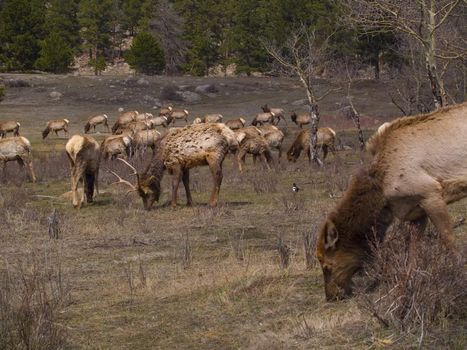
{"points": [[423, 21], [304, 55]]}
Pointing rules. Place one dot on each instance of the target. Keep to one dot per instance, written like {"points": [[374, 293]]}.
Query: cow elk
{"points": [[84, 155], [9, 126], [158, 121], [278, 114], [326, 141], [165, 111], [177, 113], [254, 144], [96, 120], [19, 149], [274, 137], [123, 120], [180, 150], [235, 124], [116, 145], [301, 119], [403, 181], [145, 139], [56, 126], [262, 118]]}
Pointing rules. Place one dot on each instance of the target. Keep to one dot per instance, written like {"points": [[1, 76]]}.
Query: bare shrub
{"points": [[420, 284], [32, 294], [237, 243], [263, 182], [53, 166], [309, 239], [284, 252], [292, 202], [185, 254]]}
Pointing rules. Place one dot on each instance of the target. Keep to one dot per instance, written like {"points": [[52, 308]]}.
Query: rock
{"points": [[16, 83], [55, 95], [142, 82], [284, 102], [207, 88], [151, 100], [189, 96], [299, 102]]}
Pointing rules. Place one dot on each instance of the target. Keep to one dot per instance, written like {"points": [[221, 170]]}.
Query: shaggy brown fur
{"points": [[56, 126], [9, 126], [326, 142], [83, 153], [403, 181], [19, 149]]}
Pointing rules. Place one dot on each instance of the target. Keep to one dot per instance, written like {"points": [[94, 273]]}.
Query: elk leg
{"points": [[216, 171], [280, 154], [265, 161], [75, 178], [176, 176], [325, 151], [186, 184], [31, 170], [437, 211], [241, 159]]}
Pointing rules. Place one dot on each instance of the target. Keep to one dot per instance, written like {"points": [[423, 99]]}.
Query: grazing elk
{"points": [[278, 113], [84, 155], [254, 144], [96, 120], [165, 111], [403, 181], [56, 126], [212, 118], [19, 149], [262, 118], [180, 150], [177, 113], [301, 119], [145, 139], [124, 120], [136, 126], [117, 145], [159, 121], [274, 137], [326, 140], [143, 117], [9, 126], [235, 124]]}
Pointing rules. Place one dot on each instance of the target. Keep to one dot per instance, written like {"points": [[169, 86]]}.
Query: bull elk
{"points": [[19, 149], [178, 151], [326, 141], [9, 126], [96, 120], [56, 126], [84, 156], [403, 181]]}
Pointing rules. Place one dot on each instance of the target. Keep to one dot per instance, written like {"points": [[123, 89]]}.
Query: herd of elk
{"points": [[404, 180]]}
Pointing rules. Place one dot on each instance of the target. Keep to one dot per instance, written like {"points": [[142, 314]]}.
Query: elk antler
{"points": [[122, 181], [131, 166]]}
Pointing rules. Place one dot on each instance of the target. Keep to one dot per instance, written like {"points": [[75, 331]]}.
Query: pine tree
{"points": [[61, 17], [56, 55], [145, 55]]}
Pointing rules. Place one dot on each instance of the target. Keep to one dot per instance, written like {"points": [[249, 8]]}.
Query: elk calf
{"points": [[19, 149], [96, 120], [56, 126], [84, 155], [9, 126]]}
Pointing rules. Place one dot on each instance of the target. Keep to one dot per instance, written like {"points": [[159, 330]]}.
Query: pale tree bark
{"points": [[303, 56], [422, 21]]}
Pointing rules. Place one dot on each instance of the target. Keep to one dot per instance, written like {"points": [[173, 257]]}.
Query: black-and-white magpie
{"points": [[295, 187]]}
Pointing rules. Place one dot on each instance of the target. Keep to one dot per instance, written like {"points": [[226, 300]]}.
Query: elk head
{"points": [[147, 186]]}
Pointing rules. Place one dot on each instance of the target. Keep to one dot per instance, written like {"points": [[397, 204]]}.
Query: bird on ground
{"points": [[295, 187]]}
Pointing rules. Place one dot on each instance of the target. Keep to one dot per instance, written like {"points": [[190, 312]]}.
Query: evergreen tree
{"points": [[145, 55], [21, 28], [56, 55], [61, 17]]}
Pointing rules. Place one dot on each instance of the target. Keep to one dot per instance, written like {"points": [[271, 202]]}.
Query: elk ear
{"points": [[331, 236]]}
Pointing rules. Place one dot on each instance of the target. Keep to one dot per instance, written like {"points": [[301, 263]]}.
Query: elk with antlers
{"points": [[180, 150], [84, 155]]}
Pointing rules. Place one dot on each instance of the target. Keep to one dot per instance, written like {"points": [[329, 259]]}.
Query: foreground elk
{"points": [[403, 181], [9, 126], [56, 126], [123, 120], [278, 113], [235, 124], [96, 120], [326, 140], [301, 119], [116, 145], [84, 155], [19, 149], [180, 150]]}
